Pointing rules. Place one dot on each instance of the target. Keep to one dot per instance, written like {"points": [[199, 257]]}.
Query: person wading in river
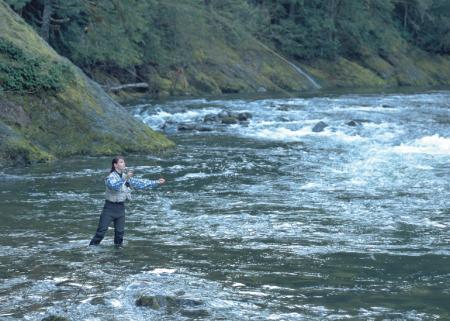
{"points": [[118, 191]]}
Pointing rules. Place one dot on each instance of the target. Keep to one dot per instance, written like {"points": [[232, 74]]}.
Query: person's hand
{"points": [[129, 175], [161, 181]]}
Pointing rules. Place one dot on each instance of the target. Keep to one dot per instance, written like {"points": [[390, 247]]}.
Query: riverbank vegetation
{"points": [[50, 109], [215, 47]]}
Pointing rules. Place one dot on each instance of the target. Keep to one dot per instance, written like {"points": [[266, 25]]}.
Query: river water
{"points": [[264, 219]]}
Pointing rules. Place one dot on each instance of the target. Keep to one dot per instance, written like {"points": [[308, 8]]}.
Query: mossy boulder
{"points": [[57, 111]]}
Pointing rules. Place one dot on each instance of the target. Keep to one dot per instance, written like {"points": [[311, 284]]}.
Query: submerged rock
{"points": [[196, 313], [55, 318], [171, 303], [319, 127], [191, 127], [186, 127], [284, 119], [97, 301], [203, 129], [283, 107]]}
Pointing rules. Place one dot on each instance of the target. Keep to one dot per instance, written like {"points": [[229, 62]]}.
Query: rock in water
{"points": [[352, 123], [172, 304], [209, 118], [194, 314], [244, 116], [154, 302], [319, 127], [186, 127], [229, 120], [55, 318]]}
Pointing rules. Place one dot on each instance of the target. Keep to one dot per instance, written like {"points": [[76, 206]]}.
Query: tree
{"points": [[301, 29], [425, 23]]}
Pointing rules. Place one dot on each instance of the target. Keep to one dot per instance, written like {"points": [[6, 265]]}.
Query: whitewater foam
{"points": [[432, 145]]}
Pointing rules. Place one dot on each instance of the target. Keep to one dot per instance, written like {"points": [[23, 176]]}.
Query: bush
{"points": [[21, 72]]}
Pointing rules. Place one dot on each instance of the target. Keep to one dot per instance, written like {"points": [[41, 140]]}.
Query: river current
{"points": [[262, 219]]}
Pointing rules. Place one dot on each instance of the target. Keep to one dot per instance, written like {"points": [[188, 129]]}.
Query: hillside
{"points": [[50, 109], [197, 51], [187, 47]]}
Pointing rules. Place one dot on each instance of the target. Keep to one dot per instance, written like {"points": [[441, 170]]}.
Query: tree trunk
{"points": [[405, 17], [137, 86], [46, 17]]}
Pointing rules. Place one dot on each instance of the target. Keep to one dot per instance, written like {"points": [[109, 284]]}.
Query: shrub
{"points": [[21, 72]]}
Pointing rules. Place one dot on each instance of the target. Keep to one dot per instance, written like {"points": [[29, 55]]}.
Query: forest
{"points": [[151, 40]]}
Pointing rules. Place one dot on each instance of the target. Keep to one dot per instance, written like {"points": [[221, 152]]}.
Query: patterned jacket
{"points": [[117, 189]]}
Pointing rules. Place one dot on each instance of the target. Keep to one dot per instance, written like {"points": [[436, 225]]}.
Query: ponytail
{"points": [[115, 161]]}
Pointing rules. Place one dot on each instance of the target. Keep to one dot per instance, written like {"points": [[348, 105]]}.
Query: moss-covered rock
{"points": [[41, 119]]}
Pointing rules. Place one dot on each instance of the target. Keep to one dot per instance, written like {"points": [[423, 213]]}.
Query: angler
{"points": [[118, 191]]}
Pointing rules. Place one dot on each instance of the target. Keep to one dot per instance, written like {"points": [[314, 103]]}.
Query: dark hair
{"points": [[115, 161]]}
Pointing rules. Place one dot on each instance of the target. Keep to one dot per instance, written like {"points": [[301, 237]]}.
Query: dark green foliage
{"points": [[365, 26], [425, 23], [17, 4], [20, 72], [308, 29], [124, 37], [302, 29], [108, 33]]}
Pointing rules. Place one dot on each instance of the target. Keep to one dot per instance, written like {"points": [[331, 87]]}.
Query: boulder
{"points": [[244, 116], [154, 302], [319, 127], [211, 118], [229, 120]]}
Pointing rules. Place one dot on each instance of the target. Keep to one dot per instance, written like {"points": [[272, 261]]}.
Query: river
{"points": [[263, 219]]}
